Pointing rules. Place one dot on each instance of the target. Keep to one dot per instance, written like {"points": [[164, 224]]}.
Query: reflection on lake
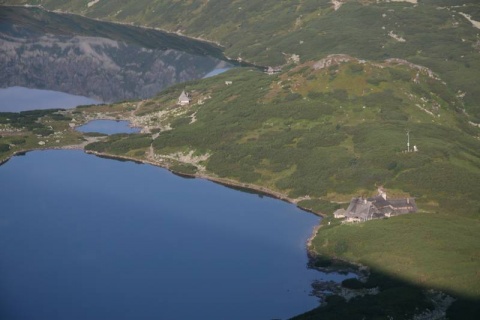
{"points": [[101, 60], [216, 72], [89, 238], [16, 99], [108, 127]]}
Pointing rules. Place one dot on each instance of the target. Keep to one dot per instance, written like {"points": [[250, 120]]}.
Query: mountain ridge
{"points": [[434, 34]]}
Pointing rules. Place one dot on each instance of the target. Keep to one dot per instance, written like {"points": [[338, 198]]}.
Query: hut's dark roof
{"points": [[378, 207], [361, 208]]}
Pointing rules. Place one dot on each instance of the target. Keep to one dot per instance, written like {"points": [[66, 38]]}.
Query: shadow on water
{"points": [[390, 298], [182, 175], [118, 159], [260, 194]]}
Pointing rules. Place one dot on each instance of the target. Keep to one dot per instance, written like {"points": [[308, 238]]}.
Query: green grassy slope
{"points": [[268, 32], [335, 132], [431, 250]]}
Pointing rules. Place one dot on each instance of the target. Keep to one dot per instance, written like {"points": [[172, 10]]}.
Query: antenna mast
{"points": [[408, 141]]}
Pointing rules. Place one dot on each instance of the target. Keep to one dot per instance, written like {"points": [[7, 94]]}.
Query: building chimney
{"points": [[382, 193]]}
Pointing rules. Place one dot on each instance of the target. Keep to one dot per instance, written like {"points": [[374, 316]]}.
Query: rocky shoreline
{"points": [[224, 181]]}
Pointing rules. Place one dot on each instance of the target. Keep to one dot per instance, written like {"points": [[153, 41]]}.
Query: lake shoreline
{"points": [[337, 265], [223, 181], [218, 221]]}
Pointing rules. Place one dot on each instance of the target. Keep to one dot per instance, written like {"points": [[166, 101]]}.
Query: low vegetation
{"points": [[323, 135], [417, 248], [36, 129], [123, 144]]}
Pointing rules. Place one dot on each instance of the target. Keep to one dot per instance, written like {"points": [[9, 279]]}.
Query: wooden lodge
{"points": [[363, 209]]}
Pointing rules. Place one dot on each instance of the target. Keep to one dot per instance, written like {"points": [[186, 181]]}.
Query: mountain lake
{"points": [[84, 237], [16, 99], [108, 127]]}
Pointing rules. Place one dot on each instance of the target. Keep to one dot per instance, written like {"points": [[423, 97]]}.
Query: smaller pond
{"points": [[16, 99], [108, 127]]}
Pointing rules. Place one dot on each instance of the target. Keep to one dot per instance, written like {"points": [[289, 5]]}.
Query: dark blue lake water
{"points": [[83, 237], [16, 99], [108, 127]]}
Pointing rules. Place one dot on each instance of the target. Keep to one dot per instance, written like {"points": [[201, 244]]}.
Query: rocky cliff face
{"points": [[95, 67]]}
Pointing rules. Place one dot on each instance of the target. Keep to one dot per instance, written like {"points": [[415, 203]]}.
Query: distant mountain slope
{"points": [[436, 34], [105, 61]]}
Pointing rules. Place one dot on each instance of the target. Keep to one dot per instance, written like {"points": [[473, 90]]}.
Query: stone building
{"points": [[184, 99], [364, 209]]}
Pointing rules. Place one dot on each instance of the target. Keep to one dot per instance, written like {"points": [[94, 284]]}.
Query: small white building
{"points": [[184, 99], [273, 70]]}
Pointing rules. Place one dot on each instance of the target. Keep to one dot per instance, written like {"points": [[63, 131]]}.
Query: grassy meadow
{"points": [[431, 250]]}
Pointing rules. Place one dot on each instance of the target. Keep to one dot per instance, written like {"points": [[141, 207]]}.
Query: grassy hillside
{"points": [[433, 33], [329, 130], [314, 133], [407, 237], [319, 133]]}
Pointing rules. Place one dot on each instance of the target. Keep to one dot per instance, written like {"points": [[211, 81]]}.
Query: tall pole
{"points": [[408, 141]]}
